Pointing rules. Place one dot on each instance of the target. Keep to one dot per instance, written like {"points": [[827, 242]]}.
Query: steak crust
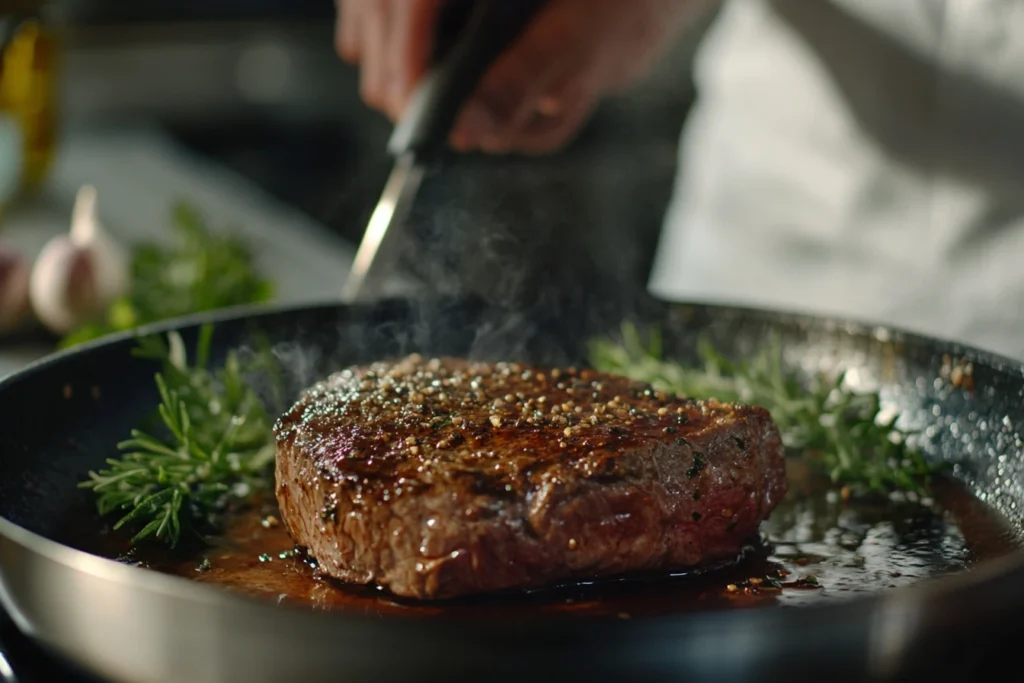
{"points": [[444, 477]]}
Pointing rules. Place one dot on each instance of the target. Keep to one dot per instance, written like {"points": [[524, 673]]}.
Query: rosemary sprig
{"points": [[218, 446], [840, 430]]}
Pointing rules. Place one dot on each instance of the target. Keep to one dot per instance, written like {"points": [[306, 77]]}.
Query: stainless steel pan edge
{"points": [[127, 624]]}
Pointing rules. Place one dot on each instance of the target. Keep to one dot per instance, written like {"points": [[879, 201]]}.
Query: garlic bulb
{"points": [[77, 276], [14, 303]]}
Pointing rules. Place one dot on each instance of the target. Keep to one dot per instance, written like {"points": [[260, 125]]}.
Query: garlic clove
{"points": [[87, 232], [76, 277], [62, 288], [14, 285]]}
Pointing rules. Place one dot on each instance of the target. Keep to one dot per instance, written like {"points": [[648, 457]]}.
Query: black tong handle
{"points": [[471, 35]]}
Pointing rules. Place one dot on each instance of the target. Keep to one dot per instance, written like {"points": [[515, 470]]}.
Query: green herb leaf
{"points": [[201, 271], [218, 445], [839, 429]]}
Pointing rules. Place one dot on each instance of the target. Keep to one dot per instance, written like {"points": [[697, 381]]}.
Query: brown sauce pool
{"points": [[815, 547]]}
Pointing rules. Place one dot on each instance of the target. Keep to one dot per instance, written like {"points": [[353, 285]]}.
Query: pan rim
{"points": [[962, 583], [852, 326]]}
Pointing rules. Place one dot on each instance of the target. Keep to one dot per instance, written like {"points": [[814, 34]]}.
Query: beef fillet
{"points": [[445, 477]]}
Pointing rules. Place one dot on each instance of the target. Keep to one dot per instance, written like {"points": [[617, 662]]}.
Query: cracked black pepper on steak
{"points": [[445, 477]]}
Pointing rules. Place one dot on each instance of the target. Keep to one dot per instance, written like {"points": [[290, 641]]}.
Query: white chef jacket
{"points": [[861, 158]]}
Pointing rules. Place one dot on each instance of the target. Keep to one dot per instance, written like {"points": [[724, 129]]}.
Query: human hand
{"points": [[540, 92]]}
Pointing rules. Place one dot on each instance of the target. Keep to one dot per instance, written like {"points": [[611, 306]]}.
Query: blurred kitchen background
{"points": [[242, 107]]}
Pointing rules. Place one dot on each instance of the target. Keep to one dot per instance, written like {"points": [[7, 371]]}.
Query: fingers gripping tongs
{"points": [[471, 34]]}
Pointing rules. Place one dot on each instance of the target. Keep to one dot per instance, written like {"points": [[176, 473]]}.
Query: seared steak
{"points": [[443, 478]]}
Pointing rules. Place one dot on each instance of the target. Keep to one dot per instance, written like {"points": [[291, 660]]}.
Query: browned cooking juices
{"points": [[849, 547]]}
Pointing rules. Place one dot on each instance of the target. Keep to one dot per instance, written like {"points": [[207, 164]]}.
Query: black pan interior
{"points": [[64, 416]]}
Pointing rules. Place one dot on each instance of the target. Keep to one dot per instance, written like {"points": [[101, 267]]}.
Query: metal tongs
{"points": [[471, 34]]}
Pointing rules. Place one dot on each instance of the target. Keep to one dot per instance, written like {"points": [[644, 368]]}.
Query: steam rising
{"points": [[547, 251]]}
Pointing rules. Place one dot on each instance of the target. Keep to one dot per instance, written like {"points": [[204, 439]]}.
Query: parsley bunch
{"points": [[200, 271]]}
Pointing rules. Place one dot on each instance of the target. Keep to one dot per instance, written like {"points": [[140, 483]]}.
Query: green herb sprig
{"points": [[200, 271], [841, 430], [218, 446]]}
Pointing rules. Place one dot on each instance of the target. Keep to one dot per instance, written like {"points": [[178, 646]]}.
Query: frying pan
{"points": [[64, 415]]}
